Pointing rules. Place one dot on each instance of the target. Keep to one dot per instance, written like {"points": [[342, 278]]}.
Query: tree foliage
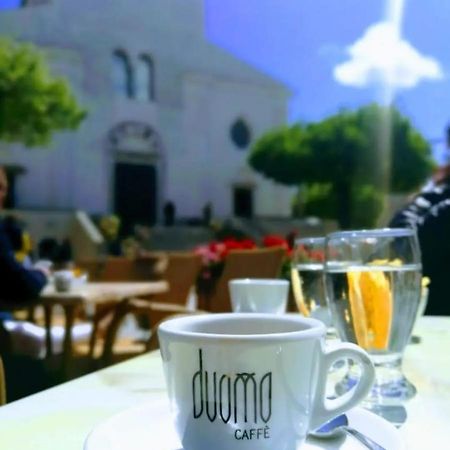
{"points": [[348, 161], [33, 104], [321, 201]]}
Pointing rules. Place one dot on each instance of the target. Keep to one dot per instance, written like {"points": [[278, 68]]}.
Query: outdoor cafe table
{"points": [[89, 296], [61, 417]]}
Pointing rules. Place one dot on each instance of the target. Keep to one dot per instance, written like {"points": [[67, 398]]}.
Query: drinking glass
{"points": [[307, 276], [373, 285]]}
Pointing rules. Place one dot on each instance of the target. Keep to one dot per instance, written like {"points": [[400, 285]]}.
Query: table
{"points": [[63, 416], [88, 295], [96, 293]]}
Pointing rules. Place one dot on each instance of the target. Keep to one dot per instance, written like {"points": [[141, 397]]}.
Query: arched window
{"points": [[145, 78], [122, 74]]}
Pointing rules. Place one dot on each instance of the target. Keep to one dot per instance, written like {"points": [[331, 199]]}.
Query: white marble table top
{"points": [[61, 418], [104, 291]]}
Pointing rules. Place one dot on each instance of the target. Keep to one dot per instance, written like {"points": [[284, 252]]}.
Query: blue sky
{"points": [[302, 42], [7, 4]]}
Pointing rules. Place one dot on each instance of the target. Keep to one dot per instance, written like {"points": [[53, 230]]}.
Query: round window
{"points": [[240, 134]]}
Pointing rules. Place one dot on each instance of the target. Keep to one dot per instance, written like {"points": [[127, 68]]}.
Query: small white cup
{"points": [[253, 381], [63, 280], [254, 295]]}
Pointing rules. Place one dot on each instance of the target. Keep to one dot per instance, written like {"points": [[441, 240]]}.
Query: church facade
{"points": [[171, 117]]}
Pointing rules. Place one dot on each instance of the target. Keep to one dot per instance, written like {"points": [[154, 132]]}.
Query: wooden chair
{"points": [[42, 351], [117, 268], [181, 274], [154, 311], [107, 269], [40, 331], [257, 263], [113, 269]]}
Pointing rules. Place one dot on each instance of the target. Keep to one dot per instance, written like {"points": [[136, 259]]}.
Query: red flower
{"points": [[273, 240], [234, 244], [247, 244], [215, 252]]}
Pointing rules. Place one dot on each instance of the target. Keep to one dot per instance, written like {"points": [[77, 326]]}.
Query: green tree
{"points": [[33, 104], [367, 203], [349, 161]]}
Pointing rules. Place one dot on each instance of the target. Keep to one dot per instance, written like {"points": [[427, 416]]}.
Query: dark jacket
{"points": [[16, 282], [429, 214]]}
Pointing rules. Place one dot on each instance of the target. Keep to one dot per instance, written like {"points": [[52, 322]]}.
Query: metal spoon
{"points": [[340, 424]]}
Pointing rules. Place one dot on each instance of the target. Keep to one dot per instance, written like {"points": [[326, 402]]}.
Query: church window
{"points": [[240, 134], [145, 77], [123, 74]]}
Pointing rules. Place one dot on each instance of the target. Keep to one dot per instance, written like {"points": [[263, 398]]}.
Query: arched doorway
{"points": [[137, 174]]}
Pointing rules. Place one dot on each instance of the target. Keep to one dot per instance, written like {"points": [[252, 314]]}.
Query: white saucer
{"points": [[149, 427]]}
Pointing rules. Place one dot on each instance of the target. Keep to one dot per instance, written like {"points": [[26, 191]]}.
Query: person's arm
{"points": [[17, 282], [433, 234], [414, 213]]}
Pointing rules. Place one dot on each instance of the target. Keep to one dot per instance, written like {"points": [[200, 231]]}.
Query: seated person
{"points": [[429, 213], [18, 283]]}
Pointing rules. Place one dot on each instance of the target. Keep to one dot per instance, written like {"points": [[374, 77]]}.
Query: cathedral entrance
{"points": [[135, 196], [137, 175]]}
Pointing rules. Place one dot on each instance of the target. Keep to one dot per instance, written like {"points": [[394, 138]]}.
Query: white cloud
{"points": [[382, 57]]}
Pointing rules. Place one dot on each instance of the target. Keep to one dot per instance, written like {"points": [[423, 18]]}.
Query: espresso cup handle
{"points": [[326, 409]]}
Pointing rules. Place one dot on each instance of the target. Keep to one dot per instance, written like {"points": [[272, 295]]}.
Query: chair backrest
{"points": [[257, 263], [93, 267], [182, 271], [125, 269]]}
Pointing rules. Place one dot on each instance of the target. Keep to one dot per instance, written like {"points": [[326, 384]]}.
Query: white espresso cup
{"points": [[259, 295], [252, 381], [63, 280]]}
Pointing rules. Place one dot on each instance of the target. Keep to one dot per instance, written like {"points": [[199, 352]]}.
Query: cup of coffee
{"points": [[250, 295], [63, 280], [253, 381]]}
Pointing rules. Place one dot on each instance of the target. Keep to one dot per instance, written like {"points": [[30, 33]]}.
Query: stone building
{"points": [[170, 115]]}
